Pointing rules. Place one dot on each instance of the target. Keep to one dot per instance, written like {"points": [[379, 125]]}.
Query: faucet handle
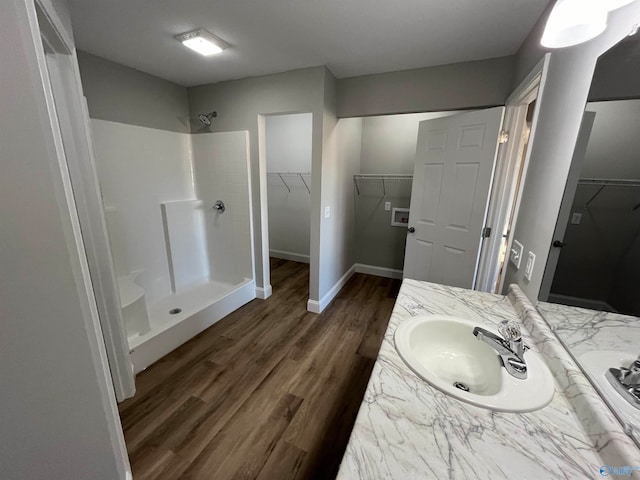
{"points": [[510, 330]]}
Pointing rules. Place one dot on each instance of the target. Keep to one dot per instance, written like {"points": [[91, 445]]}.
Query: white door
{"points": [[451, 179]]}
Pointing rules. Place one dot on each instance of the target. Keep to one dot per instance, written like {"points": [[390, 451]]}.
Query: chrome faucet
{"points": [[510, 347], [626, 381]]}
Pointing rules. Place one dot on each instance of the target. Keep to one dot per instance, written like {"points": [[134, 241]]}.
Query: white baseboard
{"points": [[314, 306], [600, 305], [294, 257], [378, 271], [264, 293]]}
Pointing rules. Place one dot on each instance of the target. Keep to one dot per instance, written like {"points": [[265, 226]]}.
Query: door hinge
{"points": [[503, 136], [486, 232]]}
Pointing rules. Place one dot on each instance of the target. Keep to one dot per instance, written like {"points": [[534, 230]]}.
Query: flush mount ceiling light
{"points": [[574, 21], [203, 42]]}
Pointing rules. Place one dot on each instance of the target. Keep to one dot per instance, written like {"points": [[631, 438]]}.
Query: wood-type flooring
{"points": [[269, 392]]}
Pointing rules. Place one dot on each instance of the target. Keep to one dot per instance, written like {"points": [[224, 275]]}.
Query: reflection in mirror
{"points": [[594, 267], [597, 265]]}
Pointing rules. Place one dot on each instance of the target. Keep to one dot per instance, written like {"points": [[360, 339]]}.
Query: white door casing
{"points": [[452, 176]]}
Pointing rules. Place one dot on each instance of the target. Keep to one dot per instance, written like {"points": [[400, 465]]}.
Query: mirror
{"points": [[594, 266]]}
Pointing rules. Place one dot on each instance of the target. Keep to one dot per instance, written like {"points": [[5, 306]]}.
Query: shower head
{"points": [[205, 118]]}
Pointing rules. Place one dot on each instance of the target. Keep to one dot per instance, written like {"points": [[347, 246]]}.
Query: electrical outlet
{"points": [[528, 269], [327, 211], [576, 218], [515, 255], [387, 206]]}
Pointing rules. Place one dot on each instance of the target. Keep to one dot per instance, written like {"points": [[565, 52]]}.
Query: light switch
{"points": [[387, 206], [327, 211], [576, 218], [528, 269], [515, 255]]}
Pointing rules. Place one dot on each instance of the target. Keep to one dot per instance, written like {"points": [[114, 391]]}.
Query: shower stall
{"points": [[178, 213]]}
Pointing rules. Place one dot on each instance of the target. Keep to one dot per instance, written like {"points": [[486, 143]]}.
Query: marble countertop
{"points": [[407, 429], [583, 330]]}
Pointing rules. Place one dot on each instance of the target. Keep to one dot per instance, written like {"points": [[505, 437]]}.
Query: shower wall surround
{"points": [[141, 168], [138, 169], [221, 172]]}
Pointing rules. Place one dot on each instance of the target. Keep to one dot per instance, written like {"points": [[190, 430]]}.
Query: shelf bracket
{"points": [[305, 183], [285, 183]]}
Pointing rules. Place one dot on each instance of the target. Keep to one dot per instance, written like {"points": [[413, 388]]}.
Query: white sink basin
{"points": [[443, 351]]}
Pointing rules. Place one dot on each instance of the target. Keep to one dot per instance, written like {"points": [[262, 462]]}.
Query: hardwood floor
{"points": [[269, 392]]}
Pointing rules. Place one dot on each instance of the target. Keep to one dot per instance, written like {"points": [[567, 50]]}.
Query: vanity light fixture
{"points": [[614, 4], [203, 42], [575, 21]]}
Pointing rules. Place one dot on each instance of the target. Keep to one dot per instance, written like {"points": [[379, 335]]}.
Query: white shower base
{"points": [[201, 306]]}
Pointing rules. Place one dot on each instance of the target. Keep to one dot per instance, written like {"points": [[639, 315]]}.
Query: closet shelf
{"points": [[383, 178], [608, 182], [300, 175]]}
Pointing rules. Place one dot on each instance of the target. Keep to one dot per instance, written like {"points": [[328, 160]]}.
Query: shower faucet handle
{"points": [[219, 206]]}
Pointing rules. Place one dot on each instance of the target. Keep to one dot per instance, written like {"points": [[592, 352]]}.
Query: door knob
{"points": [[558, 244], [411, 229]]}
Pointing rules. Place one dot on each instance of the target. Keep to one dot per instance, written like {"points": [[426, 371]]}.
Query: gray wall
{"points": [[388, 146], [121, 94], [617, 75], [340, 161], [594, 263], [288, 149], [613, 150], [58, 412], [531, 52], [560, 110], [239, 104], [389, 142], [624, 288], [483, 83]]}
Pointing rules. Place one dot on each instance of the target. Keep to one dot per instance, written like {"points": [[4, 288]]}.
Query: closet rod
{"points": [[607, 182], [382, 177]]}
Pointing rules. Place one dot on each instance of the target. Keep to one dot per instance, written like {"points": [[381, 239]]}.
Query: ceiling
{"points": [[351, 37]]}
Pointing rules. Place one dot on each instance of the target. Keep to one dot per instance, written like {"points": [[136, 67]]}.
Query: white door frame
{"points": [[504, 191], [66, 99], [69, 127], [266, 292]]}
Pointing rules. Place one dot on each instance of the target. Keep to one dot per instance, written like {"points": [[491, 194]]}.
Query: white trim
{"points": [[264, 293], [503, 193], [543, 68], [313, 306], [600, 305], [73, 118], [378, 271], [284, 255], [69, 214], [317, 307]]}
